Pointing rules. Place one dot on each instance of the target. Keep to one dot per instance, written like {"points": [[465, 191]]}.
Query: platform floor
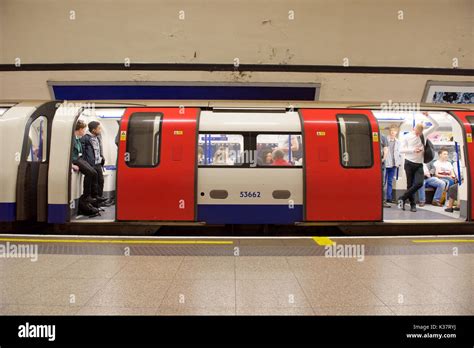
{"points": [[274, 276]]}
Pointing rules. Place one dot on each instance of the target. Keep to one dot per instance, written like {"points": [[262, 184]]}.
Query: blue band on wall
{"points": [[111, 92]]}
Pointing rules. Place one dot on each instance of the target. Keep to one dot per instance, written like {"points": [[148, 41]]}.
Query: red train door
{"points": [[343, 174], [467, 119], [156, 178]]}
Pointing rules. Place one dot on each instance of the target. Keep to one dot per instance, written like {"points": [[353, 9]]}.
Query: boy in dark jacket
{"points": [[79, 164], [93, 154]]}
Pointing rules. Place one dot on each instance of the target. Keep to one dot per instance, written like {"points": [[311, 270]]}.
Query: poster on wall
{"points": [[438, 92]]}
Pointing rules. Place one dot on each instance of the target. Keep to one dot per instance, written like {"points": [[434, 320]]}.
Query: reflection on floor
{"points": [[426, 213], [436, 282], [108, 214]]}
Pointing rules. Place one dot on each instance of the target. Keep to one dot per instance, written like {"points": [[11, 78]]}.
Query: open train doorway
{"points": [[444, 194], [32, 177], [99, 148]]}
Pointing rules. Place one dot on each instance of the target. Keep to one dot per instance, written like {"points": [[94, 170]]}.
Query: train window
{"points": [[355, 141], [143, 139], [470, 119], [2, 111], [279, 150], [221, 150], [37, 141]]}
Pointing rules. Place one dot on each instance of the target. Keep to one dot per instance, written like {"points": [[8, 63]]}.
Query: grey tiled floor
{"points": [[228, 285]]}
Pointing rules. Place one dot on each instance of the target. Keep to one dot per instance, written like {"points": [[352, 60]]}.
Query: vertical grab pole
{"points": [[458, 162], [289, 148]]}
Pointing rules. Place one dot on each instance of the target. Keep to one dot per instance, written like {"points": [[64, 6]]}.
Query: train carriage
{"points": [[222, 163]]}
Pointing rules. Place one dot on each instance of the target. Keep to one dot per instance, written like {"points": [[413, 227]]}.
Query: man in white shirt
{"points": [[444, 168], [413, 148]]}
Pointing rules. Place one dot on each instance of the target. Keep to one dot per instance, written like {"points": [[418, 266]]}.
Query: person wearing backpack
{"points": [[414, 146]]}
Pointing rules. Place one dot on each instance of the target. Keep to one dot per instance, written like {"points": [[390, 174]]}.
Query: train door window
{"points": [[470, 119], [279, 150], [2, 111], [355, 141], [221, 149], [37, 141], [143, 139]]}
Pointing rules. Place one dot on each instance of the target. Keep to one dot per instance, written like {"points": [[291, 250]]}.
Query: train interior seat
{"points": [[110, 129], [449, 135]]}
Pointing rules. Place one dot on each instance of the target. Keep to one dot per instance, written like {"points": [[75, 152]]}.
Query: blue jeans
{"points": [[449, 182], [435, 183], [389, 175]]}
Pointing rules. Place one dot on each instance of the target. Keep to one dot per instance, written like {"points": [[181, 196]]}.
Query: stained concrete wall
{"points": [[427, 33]]}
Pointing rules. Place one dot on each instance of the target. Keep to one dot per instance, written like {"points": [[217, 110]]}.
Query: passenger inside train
{"points": [[271, 150], [441, 195], [275, 149], [94, 157], [436, 196]]}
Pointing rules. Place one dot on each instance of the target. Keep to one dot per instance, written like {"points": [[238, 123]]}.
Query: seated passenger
{"points": [[266, 159], [431, 181], [453, 196], [284, 145], [79, 164], [444, 168], [278, 158], [221, 157]]}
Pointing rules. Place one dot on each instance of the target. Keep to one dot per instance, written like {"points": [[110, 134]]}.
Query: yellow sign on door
{"points": [[123, 135]]}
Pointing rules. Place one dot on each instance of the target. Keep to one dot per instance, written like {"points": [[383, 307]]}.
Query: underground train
{"points": [[224, 163]]}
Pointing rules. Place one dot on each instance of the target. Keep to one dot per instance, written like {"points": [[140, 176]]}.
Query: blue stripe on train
{"points": [[249, 214], [57, 213], [7, 212]]}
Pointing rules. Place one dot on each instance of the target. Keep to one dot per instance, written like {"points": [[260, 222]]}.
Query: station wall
{"points": [[427, 33]]}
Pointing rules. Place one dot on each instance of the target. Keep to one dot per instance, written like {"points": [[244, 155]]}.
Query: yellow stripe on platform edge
{"points": [[323, 241], [443, 241], [113, 241]]}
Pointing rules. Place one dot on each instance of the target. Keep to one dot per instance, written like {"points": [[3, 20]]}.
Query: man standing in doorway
{"points": [[93, 154], [413, 148]]}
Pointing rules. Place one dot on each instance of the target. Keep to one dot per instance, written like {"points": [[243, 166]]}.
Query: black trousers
{"points": [[100, 180], [90, 177], [415, 179]]}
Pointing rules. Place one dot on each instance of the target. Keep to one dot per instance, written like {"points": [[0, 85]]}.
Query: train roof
{"points": [[256, 104]]}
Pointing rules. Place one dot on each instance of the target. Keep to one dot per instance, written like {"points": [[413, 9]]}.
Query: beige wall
{"points": [[367, 32]]}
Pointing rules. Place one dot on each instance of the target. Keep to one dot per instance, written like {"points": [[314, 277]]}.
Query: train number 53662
{"points": [[249, 194]]}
